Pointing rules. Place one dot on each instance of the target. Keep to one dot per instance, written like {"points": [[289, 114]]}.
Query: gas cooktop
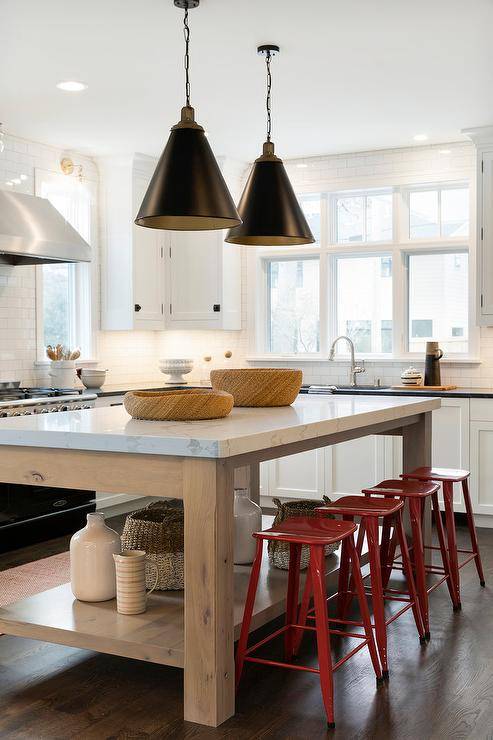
{"points": [[18, 394]]}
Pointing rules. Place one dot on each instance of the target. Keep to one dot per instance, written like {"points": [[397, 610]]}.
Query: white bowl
{"points": [[176, 369], [92, 377]]}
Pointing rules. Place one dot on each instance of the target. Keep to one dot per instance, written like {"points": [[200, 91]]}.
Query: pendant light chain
{"points": [[268, 58], [186, 33]]}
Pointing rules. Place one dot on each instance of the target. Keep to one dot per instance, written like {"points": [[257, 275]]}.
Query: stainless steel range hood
{"points": [[33, 232]]}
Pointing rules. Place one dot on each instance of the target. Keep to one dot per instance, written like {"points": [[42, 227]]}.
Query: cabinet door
{"points": [[194, 278], [450, 441], [481, 481], [354, 465], [485, 239], [148, 271], [297, 476]]}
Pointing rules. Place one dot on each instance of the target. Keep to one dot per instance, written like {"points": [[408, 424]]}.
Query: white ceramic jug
{"points": [[62, 374], [92, 569], [248, 519]]}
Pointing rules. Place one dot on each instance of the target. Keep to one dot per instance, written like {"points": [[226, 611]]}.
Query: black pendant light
{"points": [[187, 191], [268, 207]]}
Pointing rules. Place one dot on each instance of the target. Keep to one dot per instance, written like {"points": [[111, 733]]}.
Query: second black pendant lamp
{"points": [[269, 208], [187, 191]]}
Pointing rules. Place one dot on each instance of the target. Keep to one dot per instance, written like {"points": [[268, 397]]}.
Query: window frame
{"points": [[82, 320], [327, 252]]}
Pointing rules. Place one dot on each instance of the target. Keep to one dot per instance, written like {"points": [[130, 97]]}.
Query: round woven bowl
{"points": [[259, 386], [191, 404]]}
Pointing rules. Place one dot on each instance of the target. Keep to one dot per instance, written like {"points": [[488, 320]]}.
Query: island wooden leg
{"points": [[416, 453], [209, 696]]}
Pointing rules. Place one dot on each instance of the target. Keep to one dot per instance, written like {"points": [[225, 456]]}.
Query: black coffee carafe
{"points": [[432, 364]]}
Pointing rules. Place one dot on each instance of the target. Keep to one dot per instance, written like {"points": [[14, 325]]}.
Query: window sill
{"points": [[367, 358], [80, 361]]}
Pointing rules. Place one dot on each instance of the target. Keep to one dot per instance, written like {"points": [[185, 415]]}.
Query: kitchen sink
{"points": [[343, 388]]}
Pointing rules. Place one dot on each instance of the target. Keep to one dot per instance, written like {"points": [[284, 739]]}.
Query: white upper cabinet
{"points": [[483, 139], [132, 264], [154, 279], [203, 279]]}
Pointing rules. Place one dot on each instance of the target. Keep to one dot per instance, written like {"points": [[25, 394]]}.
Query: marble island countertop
{"points": [[110, 429]]}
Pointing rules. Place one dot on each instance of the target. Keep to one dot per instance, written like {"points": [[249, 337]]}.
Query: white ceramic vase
{"points": [[248, 519], [92, 568]]}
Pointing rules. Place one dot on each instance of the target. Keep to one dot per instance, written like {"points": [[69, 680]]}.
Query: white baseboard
{"points": [[119, 503]]}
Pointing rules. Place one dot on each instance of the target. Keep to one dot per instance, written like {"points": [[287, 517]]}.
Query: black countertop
{"points": [[121, 389]]}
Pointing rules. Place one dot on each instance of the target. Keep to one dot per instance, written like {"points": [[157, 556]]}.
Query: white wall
{"points": [[132, 356]]}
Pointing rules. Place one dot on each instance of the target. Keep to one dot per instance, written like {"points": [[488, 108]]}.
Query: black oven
{"points": [[30, 514]]}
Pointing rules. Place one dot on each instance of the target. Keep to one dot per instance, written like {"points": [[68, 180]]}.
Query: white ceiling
{"points": [[352, 75]]}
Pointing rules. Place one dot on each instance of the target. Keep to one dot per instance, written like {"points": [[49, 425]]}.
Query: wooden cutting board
{"points": [[425, 387]]}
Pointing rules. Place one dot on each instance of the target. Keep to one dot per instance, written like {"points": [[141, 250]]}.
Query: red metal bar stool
{"points": [[371, 511], [316, 533], [415, 493], [447, 477]]}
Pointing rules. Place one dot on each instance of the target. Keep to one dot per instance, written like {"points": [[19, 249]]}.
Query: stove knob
{"points": [[44, 411], [87, 406], [3, 414], [63, 408]]}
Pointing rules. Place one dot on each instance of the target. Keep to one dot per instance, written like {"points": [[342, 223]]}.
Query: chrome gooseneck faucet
{"points": [[354, 369]]}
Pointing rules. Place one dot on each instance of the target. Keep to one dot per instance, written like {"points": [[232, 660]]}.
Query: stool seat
{"points": [[308, 531], [362, 506], [439, 474], [403, 488]]}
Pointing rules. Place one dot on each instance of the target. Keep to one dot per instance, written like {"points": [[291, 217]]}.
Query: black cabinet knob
{"points": [[138, 307]]}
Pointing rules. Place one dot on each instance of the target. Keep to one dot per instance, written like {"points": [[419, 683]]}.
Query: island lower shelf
{"points": [[157, 636]]}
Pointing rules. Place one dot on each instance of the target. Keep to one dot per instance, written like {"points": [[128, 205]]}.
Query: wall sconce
{"points": [[68, 167]]}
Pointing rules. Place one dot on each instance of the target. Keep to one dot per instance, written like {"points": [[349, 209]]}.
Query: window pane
{"points": [[423, 214], [350, 219], [438, 301], [294, 306], [379, 217], [310, 205], [56, 302], [455, 212], [364, 302]]}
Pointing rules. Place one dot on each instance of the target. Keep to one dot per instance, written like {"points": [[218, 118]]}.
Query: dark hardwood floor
{"points": [[437, 692]]}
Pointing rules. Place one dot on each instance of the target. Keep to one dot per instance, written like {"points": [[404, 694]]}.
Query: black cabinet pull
{"points": [[216, 307], [138, 307]]}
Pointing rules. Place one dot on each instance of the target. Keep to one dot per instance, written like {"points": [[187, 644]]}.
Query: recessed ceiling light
{"points": [[17, 180], [23, 177], [302, 165], [420, 137], [71, 86], [445, 151]]}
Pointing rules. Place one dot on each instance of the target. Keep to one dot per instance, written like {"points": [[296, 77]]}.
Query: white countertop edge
{"points": [[123, 435]]}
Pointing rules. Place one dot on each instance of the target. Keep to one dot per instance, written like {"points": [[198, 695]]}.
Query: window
{"points": [[310, 205], [439, 212], [293, 297], [438, 288], [363, 218], [368, 280], [63, 290], [364, 303]]}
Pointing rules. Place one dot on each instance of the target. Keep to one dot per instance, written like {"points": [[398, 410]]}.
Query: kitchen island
{"points": [[104, 449]]}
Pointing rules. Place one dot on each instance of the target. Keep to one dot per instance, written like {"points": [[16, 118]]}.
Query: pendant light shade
{"points": [[187, 191], [269, 208]]}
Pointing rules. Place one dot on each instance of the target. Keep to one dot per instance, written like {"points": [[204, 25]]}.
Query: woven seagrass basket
{"points": [[158, 529], [191, 404], [259, 386], [279, 551]]}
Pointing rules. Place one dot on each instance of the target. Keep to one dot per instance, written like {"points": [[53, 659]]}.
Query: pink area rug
{"points": [[32, 578]]}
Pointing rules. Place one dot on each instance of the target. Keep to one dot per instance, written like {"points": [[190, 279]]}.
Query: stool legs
{"points": [[408, 573], [292, 599], [248, 611], [448, 500], [371, 525], [437, 514], [415, 510], [317, 570], [472, 531]]}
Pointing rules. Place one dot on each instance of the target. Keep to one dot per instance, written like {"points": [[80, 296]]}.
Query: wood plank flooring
{"points": [[442, 691]]}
